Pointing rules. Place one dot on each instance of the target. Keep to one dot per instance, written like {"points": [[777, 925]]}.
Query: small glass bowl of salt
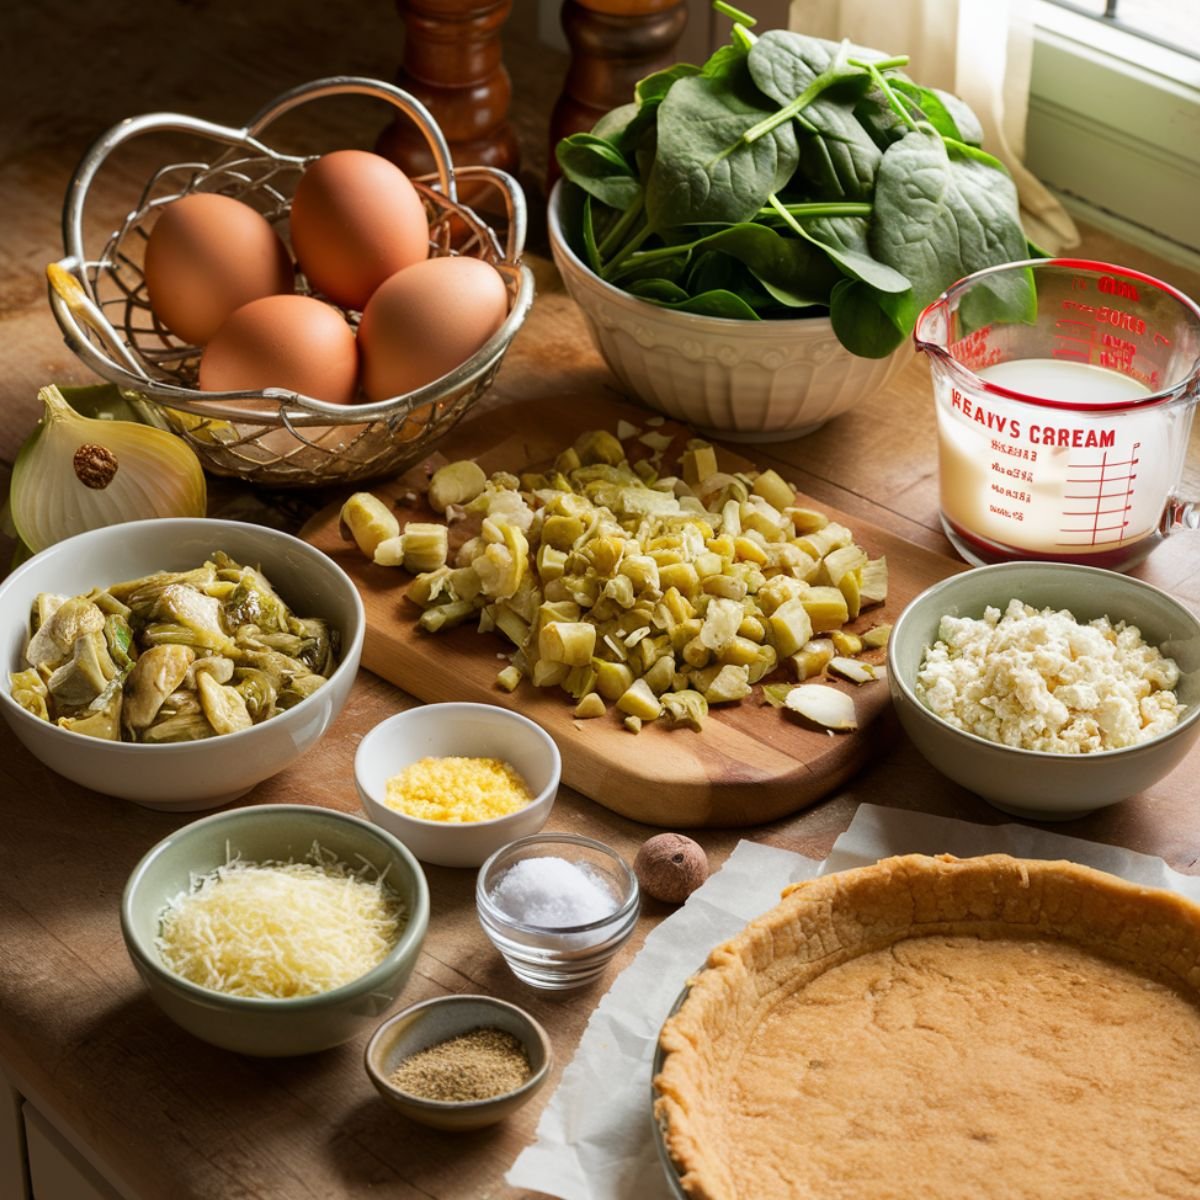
{"points": [[557, 906]]}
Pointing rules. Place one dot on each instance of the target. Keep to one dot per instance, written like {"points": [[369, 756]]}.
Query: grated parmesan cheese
{"points": [[281, 929], [456, 789]]}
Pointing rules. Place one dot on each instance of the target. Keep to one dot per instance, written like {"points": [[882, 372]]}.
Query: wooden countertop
{"points": [[167, 1115]]}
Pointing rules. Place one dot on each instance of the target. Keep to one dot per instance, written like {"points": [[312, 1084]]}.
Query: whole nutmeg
{"points": [[670, 867]]}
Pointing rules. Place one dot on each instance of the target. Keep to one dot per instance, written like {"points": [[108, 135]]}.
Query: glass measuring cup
{"points": [[1064, 392]]}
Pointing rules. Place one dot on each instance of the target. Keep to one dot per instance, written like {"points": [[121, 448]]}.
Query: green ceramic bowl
{"points": [[432, 1021], [1030, 783], [271, 1028]]}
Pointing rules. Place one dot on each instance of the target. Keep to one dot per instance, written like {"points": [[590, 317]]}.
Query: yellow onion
{"points": [[75, 473]]}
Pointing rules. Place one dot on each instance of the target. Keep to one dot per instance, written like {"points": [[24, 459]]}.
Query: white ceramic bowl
{"points": [[1033, 783], [466, 730], [742, 381], [183, 776]]}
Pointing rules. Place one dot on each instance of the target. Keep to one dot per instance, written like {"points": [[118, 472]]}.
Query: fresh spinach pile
{"points": [[790, 176]]}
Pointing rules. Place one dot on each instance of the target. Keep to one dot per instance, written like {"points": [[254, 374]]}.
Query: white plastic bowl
{"points": [[742, 381], [182, 776], [470, 731]]}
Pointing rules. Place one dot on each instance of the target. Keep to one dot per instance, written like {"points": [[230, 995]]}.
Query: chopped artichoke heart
{"points": [[509, 678], [369, 521], [445, 616], [456, 483], [592, 705], [570, 642], [640, 701], [772, 488], [155, 675], [791, 626], [685, 707], [223, 706], [722, 619], [826, 607], [873, 586], [627, 587], [805, 520], [56, 636], [85, 676], [877, 637], [729, 684], [699, 463], [426, 546]]}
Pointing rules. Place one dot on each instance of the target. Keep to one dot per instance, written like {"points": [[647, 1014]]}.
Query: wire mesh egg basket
{"points": [[274, 437]]}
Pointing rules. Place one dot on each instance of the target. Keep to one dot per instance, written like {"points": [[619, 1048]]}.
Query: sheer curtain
{"points": [[982, 51]]}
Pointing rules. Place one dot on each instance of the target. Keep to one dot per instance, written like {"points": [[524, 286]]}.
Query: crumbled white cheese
{"points": [[1042, 681]]}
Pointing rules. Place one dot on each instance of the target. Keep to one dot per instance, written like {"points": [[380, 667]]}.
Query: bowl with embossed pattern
{"points": [[742, 381]]}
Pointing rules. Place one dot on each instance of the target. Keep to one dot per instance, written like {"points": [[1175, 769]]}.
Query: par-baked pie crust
{"points": [[935, 1027]]}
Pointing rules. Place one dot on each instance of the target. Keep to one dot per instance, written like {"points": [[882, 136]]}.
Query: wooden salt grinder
{"points": [[614, 43], [452, 64]]}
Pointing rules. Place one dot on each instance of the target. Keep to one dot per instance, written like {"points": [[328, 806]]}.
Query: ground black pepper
{"points": [[477, 1065]]}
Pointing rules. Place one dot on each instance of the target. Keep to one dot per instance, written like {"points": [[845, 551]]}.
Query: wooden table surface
{"points": [[167, 1115]]}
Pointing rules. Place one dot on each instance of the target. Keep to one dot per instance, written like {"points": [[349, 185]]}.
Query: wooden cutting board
{"points": [[752, 763]]}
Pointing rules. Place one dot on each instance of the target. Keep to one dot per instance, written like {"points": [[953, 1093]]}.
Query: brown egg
{"points": [[291, 342], [207, 256], [356, 220], [426, 320]]}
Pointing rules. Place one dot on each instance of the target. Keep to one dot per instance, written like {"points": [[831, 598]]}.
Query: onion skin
{"points": [[75, 473]]}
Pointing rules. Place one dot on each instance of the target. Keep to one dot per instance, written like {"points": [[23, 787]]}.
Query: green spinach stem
{"points": [[625, 251], [817, 208], [622, 226], [734, 14], [873, 69]]}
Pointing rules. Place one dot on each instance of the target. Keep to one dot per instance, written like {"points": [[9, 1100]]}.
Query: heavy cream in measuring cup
{"points": [[1046, 480]]}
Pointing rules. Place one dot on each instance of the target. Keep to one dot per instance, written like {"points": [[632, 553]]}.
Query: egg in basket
{"points": [[369, 423]]}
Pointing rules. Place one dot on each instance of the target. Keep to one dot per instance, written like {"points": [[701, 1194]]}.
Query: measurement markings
{"points": [[1097, 496]]}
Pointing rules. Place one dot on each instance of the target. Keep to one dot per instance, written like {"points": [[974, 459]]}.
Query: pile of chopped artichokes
{"points": [[172, 657], [659, 594]]}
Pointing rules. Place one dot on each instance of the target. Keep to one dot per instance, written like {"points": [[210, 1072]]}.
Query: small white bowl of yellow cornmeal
{"points": [[455, 782]]}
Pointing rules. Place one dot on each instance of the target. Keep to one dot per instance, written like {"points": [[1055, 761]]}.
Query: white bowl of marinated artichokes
{"points": [[176, 662]]}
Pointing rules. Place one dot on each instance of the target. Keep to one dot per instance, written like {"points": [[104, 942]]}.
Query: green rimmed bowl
{"points": [[269, 1027], [1037, 784]]}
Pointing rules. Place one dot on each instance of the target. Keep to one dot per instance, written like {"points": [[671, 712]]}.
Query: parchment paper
{"points": [[594, 1138]]}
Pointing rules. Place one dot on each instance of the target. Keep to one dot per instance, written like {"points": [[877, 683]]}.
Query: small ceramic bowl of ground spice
{"points": [[459, 1062], [455, 781]]}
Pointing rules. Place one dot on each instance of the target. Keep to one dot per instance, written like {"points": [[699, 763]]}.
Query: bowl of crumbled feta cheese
{"points": [[1049, 689]]}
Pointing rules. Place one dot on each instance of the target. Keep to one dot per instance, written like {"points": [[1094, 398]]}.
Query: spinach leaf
{"points": [[949, 115], [796, 272], [860, 322], [844, 239], [597, 166], [703, 171], [942, 211], [708, 304], [654, 87], [712, 271], [589, 236], [615, 125], [838, 156]]}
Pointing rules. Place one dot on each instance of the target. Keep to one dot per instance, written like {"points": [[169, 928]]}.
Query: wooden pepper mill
{"points": [[452, 64], [614, 43]]}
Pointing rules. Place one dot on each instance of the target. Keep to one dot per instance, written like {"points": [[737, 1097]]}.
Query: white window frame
{"points": [[1114, 130]]}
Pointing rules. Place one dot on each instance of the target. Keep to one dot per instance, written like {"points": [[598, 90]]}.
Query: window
{"points": [[1114, 118]]}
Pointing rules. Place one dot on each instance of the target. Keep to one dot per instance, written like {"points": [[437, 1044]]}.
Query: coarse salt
{"points": [[553, 893]]}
